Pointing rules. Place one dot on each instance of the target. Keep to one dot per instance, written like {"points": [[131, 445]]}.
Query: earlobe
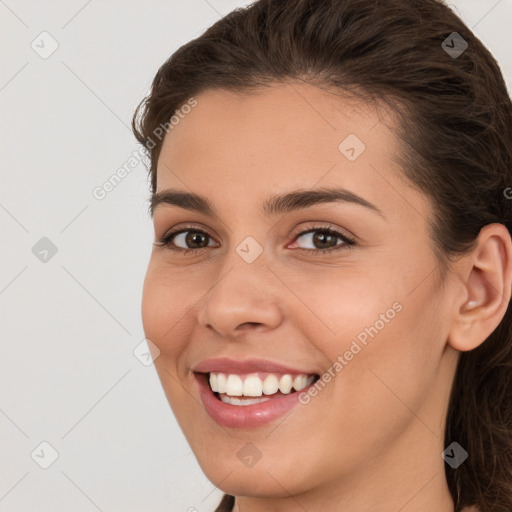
{"points": [[487, 282]]}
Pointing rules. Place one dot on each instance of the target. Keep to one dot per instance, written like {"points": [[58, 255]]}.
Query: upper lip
{"points": [[227, 365]]}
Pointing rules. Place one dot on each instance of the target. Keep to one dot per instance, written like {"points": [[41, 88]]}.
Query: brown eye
{"points": [[324, 239], [193, 239]]}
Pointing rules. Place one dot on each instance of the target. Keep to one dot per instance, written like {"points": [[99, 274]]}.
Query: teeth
{"points": [[234, 385], [270, 385], [221, 382], [237, 401], [285, 384], [299, 382], [252, 385], [213, 381]]}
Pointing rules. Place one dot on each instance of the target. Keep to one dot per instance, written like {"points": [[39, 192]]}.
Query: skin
{"points": [[372, 438]]}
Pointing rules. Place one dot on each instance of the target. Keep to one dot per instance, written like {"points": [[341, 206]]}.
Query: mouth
{"points": [[252, 399]]}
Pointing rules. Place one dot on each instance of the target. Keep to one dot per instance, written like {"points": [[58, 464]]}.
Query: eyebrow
{"points": [[275, 205]]}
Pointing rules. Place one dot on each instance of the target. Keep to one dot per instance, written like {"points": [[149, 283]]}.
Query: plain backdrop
{"points": [[84, 422]]}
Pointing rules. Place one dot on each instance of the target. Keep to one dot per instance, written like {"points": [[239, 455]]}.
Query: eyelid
{"points": [[186, 227]]}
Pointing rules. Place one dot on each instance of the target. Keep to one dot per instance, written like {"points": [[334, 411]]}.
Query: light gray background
{"points": [[69, 325]]}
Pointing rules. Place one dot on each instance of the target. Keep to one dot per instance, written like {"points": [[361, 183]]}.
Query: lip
{"points": [[245, 416], [253, 365]]}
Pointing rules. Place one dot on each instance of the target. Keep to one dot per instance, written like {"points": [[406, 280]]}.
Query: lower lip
{"points": [[245, 416]]}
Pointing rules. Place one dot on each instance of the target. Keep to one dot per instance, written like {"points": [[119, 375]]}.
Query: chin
{"points": [[268, 477]]}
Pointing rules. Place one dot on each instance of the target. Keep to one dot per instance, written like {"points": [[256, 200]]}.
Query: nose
{"points": [[245, 297]]}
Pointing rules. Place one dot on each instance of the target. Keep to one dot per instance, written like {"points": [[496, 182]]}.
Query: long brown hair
{"points": [[455, 132]]}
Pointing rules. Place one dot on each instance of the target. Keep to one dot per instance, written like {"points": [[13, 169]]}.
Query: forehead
{"points": [[243, 146], [283, 116]]}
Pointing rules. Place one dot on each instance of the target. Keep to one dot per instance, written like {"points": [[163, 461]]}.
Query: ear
{"points": [[487, 281]]}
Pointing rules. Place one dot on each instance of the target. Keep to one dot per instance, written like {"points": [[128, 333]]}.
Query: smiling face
{"points": [[249, 287]]}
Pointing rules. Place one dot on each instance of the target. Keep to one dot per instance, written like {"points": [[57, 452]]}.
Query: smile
{"points": [[249, 394]]}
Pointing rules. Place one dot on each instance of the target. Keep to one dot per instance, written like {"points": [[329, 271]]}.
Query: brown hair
{"points": [[455, 132]]}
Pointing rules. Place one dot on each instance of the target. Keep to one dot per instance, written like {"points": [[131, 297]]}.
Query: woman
{"points": [[330, 282]]}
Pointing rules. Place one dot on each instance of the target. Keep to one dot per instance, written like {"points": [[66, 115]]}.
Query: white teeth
{"points": [[299, 382], [285, 384], [213, 380], [252, 385], [234, 385], [270, 385], [221, 383], [237, 401]]}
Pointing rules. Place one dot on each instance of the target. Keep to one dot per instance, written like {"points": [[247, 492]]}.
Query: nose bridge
{"points": [[246, 264], [244, 292]]}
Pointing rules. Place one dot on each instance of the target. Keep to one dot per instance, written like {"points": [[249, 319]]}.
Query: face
{"points": [[344, 289]]}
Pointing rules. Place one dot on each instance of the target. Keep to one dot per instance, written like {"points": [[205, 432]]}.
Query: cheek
{"points": [[163, 310], [163, 307], [389, 367], [379, 341], [340, 307], [153, 307]]}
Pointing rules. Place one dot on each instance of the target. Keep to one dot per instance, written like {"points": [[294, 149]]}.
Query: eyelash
{"points": [[165, 241]]}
